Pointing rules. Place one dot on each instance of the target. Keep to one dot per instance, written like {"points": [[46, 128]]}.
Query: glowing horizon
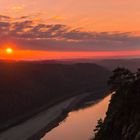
{"points": [[69, 28], [48, 55]]}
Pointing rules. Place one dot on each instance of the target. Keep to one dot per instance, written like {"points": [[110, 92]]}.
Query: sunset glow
{"points": [[63, 56], [69, 29], [47, 55], [9, 50]]}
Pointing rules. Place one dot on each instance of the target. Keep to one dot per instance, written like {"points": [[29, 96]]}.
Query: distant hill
{"points": [[27, 86], [131, 64], [110, 64]]}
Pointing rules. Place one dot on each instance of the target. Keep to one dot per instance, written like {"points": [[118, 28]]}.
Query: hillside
{"points": [[28, 86], [131, 64], [123, 116]]}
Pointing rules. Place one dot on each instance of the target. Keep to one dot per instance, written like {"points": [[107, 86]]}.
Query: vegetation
{"points": [[122, 121], [26, 87], [98, 126]]}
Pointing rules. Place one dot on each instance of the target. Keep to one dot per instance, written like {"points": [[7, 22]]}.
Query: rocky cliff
{"points": [[122, 120]]}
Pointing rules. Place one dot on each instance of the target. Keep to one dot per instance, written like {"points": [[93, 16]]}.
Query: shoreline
{"points": [[59, 119], [32, 126], [21, 119], [54, 115]]}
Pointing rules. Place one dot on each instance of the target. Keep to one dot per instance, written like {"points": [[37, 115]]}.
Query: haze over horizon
{"points": [[59, 29]]}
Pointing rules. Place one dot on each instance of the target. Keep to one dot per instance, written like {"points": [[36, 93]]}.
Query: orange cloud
{"points": [[58, 18], [18, 8]]}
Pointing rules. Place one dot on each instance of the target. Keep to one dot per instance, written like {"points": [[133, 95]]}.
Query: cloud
{"points": [[57, 18], [57, 37], [4, 18], [18, 8]]}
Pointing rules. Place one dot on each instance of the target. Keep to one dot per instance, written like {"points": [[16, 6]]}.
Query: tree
{"points": [[121, 77], [138, 74], [98, 126]]}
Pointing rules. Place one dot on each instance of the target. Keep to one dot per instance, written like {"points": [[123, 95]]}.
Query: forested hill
{"points": [[123, 116], [27, 86]]}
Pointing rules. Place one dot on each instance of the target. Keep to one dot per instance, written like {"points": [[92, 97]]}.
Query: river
{"points": [[79, 124]]}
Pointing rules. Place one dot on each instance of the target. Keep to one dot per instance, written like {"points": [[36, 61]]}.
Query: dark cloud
{"points": [[30, 35], [4, 18]]}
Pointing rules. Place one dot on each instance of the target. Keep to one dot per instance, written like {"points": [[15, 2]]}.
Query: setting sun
{"points": [[9, 50]]}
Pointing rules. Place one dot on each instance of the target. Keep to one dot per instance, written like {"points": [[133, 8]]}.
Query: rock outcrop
{"points": [[122, 120]]}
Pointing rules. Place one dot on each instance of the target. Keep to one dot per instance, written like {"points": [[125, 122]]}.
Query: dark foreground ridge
{"points": [[123, 116], [27, 88]]}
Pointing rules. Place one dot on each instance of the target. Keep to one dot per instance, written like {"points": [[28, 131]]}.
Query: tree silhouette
{"points": [[138, 74], [121, 77], [98, 126]]}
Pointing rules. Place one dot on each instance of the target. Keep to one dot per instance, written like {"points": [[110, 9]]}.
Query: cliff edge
{"points": [[122, 120]]}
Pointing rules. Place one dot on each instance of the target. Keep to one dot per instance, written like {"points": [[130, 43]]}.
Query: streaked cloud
{"points": [[91, 15], [31, 35]]}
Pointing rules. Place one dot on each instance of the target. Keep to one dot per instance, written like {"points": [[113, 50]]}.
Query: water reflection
{"points": [[79, 124]]}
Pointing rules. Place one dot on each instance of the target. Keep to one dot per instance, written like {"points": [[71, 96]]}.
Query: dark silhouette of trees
{"points": [[98, 126], [123, 111], [121, 77], [138, 74]]}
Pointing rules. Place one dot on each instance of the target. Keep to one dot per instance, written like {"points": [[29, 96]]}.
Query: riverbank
{"points": [[20, 119], [34, 128], [30, 127], [80, 123]]}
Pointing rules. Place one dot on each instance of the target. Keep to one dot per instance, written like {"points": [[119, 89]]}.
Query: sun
{"points": [[9, 50]]}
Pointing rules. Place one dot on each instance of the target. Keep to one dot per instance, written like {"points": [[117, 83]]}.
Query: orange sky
{"points": [[42, 55], [95, 15], [92, 28]]}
